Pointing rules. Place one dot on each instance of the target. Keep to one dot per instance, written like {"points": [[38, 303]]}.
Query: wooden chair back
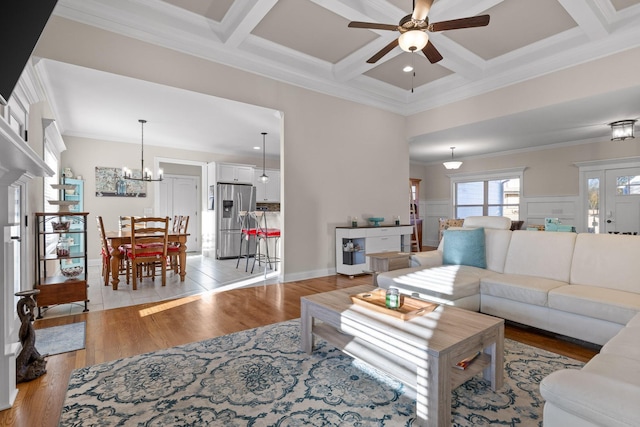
{"points": [[124, 222], [149, 243], [180, 223], [105, 251]]}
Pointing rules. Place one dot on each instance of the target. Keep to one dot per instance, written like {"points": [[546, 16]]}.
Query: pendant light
{"points": [[263, 178], [146, 173], [452, 164]]}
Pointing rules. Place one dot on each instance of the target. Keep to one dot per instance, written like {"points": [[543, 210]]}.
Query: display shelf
{"points": [[54, 287]]}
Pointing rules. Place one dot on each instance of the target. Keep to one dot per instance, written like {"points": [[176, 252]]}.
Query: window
{"points": [[414, 183], [593, 205], [497, 195], [627, 185]]}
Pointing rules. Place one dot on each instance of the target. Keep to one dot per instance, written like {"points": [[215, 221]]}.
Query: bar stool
{"points": [[246, 234], [264, 235]]}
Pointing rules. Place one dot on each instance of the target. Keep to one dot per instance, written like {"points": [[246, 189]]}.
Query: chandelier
{"points": [[146, 174]]}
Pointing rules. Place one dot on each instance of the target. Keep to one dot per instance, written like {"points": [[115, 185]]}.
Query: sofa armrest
{"points": [[426, 259], [599, 399]]}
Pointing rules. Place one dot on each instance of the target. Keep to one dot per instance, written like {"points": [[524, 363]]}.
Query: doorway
{"points": [[610, 194], [179, 195], [622, 201]]}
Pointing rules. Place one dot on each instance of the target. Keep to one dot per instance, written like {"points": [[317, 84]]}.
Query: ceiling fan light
{"points": [[413, 40], [622, 130]]}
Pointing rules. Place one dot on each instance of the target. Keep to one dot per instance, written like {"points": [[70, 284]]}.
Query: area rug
{"points": [[60, 339], [259, 377]]}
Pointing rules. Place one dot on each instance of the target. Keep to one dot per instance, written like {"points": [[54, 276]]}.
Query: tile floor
{"points": [[204, 274]]}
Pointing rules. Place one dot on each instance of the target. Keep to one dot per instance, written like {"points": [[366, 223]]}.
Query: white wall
{"points": [[337, 157]]}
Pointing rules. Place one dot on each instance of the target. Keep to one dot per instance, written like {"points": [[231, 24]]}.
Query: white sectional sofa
{"points": [[585, 286]]}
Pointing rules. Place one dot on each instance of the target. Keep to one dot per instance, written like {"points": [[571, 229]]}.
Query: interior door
{"points": [[622, 200], [179, 196]]}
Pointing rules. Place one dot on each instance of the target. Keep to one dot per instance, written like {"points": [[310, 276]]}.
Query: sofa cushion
{"points": [[495, 222], [615, 367], [592, 301], [448, 282], [625, 343], [607, 261], [525, 289], [464, 247], [540, 254], [635, 322], [601, 400]]}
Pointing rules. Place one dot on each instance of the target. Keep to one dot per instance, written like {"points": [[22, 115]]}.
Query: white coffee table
{"points": [[421, 352]]}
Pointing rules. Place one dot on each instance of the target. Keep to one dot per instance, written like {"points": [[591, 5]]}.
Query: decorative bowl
{"points": [[376, 221], [60, 226], [72, 271]]}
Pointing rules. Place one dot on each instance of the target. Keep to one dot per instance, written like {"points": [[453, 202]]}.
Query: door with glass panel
{"points": [[622, 201]]}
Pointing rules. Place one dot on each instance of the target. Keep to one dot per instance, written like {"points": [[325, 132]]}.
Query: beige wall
{"points": [[549, 172], [339, 158]]}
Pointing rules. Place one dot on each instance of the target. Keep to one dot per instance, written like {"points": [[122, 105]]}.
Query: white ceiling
{"points": [[308, 43]]}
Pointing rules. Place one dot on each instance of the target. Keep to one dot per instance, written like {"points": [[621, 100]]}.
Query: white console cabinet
{"points": [[354, 243]]}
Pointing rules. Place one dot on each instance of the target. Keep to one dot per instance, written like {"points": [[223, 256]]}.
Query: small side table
{"points": [[387, 261]]}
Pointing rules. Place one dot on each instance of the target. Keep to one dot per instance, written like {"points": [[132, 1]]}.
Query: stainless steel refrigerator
{"points": [[229, 200]]}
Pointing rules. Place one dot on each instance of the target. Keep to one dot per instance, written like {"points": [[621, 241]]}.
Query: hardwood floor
{"points": [[122, 332]]}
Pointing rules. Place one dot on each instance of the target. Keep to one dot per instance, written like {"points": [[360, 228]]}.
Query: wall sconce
{"points": [[452, 164], [622, 129]]}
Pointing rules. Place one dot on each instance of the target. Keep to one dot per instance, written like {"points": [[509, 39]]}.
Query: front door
{"points": [[622, 201]]}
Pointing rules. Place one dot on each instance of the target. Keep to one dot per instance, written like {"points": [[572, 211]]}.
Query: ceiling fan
{"points": [[413, 30]]}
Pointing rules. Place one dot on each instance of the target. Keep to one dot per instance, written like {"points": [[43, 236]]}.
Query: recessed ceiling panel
{"points": [[212, 9], [406, 5], [623, 4], [514, 24], [391, 71], [304, 26]]}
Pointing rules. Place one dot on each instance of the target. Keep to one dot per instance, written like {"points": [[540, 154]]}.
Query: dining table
{"points": [[123, 237]]}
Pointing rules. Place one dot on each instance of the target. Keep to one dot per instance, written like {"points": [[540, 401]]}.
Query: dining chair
{"points": [[180, 226], [124, 222], [148, 248], [264, 237], [105, 252]]}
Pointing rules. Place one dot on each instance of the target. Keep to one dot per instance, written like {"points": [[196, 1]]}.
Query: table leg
{"points": [[182, 256], [433, 393], [306, 328], [495, 371], [116, 257]]}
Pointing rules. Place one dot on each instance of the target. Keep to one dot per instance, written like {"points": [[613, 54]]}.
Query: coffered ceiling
{"points": [[308, 43]]}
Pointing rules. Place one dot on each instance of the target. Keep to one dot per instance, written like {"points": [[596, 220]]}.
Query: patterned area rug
{"points": [[60, 339], [259, 378]]}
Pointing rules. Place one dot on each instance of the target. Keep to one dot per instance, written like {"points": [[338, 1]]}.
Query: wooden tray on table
{"points": [[409, 307]]}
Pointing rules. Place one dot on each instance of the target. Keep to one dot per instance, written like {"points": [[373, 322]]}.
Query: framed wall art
{"points": [[109, 183]]}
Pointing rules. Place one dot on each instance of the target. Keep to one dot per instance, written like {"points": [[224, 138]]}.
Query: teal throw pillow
{"points": [[464, 247]]}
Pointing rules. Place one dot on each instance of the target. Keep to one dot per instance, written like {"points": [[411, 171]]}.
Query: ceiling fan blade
{"points": [[431, 53], [421, 9], [455, 24], [373, 26], [388, 48]]}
